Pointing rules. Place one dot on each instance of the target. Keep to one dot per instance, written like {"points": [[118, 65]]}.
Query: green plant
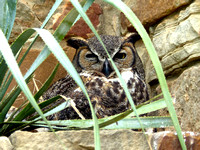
{"points": [[8, 65]]}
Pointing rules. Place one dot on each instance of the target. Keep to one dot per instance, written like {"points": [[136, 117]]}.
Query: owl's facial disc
{"points": [[86, 58]]}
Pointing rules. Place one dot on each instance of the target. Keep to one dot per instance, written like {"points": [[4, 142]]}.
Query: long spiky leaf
{"points": [[12, 64], [155, 60]]}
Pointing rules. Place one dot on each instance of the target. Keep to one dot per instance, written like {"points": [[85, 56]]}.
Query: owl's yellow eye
{"points": [[120, 55]]}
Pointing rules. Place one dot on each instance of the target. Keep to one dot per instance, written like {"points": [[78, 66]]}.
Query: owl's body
{"points": [[101, 82]]}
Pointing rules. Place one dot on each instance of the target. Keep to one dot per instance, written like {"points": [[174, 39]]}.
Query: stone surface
{"points": [[28, 16], [110, 22], [81, 28], [177, 40], [110, 140], [169, 141], [79, 140], [151, 11], [185, 89], [5, 143]]}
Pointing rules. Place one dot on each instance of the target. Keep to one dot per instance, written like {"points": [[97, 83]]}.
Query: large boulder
{"points": [[79, 140], [176, 40], [185, 90]]}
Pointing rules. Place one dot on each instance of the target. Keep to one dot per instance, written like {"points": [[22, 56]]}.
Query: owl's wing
{"points": [[63, 86]]}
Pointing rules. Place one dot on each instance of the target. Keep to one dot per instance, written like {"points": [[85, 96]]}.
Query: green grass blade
{"points": [[159, 104], [17, 44], [12, 64], [9, 99], [11, 16], [47, 83], [3, 68], [7, 103], [7, 16], [55, 48], [4, 88], [26, 111], [16, 125], [29, 110], [3, 15], [131, 123], [51, 110], [16, 47], [155, 60], [148, 122], [21, 40]]}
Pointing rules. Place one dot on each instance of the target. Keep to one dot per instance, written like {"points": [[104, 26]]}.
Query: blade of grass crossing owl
{"points": [[87, 20], [152, 53]]}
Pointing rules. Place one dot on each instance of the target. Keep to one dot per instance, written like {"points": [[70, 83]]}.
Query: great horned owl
{"points": [[102, 84]]}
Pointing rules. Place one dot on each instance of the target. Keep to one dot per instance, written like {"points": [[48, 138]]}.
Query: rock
{"points": [[149, 12], [78, 140], [31, 14], [110, 139], [25, 18], [81, 28], [5, 143], [185, 89], [177, 40], [109, 20], [169, 141]]}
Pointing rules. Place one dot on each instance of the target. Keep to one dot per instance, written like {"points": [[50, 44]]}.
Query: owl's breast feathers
{"points": [[106, 94]]}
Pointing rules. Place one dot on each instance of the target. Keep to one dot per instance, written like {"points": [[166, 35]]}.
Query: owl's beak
{"points": [[107, 70]]}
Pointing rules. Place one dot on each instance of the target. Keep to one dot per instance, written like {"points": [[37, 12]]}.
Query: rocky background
{"points": [[173, 25]]}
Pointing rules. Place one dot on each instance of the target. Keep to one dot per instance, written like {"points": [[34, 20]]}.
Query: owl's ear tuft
{"points": [[77, 42], [132, 37]]}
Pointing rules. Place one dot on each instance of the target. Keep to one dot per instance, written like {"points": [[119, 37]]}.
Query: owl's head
{"points": [[90, 54]]}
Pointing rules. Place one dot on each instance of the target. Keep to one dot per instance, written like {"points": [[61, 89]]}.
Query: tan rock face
{"points": [[169, 141], [185, 91], [5, 143], [151, 11], [110, 139], [176, 40], [30, 14], [81, 28], [79, 140]]}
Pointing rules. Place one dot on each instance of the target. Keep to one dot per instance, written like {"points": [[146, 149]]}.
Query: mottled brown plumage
{"points": [[102, 84]]}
